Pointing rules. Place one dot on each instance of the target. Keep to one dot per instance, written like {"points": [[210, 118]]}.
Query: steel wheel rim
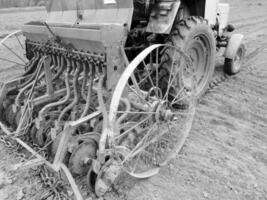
{"points": [[199, 51], [152, 120], [13, 49]]}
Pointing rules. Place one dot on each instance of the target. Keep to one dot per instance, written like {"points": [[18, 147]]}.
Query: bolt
{"points": [[88, 161]]}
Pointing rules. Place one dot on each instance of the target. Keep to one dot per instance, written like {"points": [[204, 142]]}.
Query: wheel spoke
{"points": [[178, 94], [182, 98], [144, 79], [19, 42], [137, 161], [183, 113], [152, 141], [169, 86], [5, 59], [171, 80], [149, 74], [136, 150], [133, 127], [139, 94], [14, 53], [132, 112], [157, 69], [135, 83]]}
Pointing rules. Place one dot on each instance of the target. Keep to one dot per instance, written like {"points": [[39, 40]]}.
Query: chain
{"points": [[56, 187], [9, 144]]}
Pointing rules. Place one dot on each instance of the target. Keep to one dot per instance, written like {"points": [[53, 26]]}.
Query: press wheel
{"points": [[148, 119]]}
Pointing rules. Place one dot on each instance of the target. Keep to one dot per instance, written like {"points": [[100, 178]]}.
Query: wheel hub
{"points": [[163, 113], [238, 60], [196, 52], [81, 158]]}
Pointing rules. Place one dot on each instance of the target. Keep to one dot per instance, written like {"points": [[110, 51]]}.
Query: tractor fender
{"points": [[162, 16], [233, 45]]}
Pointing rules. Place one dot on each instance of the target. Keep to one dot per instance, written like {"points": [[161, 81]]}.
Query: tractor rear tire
{"points": [[195, 37]]}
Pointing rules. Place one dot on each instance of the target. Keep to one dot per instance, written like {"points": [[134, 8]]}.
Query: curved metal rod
{"points": [[32, 77], [41, 86], [76, 92], [17, 101], [106, 133], [43, 112], [29, 64], [89, 94], [85, 78], [61, 69], [32, 64], [54, 61], [126, 112]]}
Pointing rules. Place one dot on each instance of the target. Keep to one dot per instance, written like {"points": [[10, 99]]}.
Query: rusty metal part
{"points": [[106, 177], [42, 134], [76, 92], [33, 75], [33, 79], [45, 109], [55, 144], [85, 78], [32, 64], [82, 156], [61, 62], [89, 93]]}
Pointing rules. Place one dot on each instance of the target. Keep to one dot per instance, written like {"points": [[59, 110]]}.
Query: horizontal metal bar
{"points": [[45, 98], [67, 50], [5, 129], [85, 119], [16, 82], [71, 180], [66, 32], [33, 152], [29, 164]]}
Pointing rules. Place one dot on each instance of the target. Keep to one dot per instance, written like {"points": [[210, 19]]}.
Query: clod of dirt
{"points": [[205, 194], [20, 195], [4, 182], [70, 193]]}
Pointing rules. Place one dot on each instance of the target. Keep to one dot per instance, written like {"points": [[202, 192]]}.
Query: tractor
{"points": [[111, 86]]}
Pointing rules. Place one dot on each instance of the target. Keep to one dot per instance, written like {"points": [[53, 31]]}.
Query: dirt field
{"points": [[13, 19], [225, 156]]}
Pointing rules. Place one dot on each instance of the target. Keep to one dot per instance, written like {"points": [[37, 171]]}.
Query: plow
{"points": [[111, 87]]}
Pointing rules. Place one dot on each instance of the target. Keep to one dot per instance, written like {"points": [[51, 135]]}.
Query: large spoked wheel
{"points": [[150, 121], [12, 50]]}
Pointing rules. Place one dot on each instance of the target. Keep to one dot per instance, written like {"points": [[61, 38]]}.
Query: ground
{"points": [[225, 156]]}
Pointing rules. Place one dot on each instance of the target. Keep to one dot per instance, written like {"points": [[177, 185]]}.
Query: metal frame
{"points": [[57, 164]]}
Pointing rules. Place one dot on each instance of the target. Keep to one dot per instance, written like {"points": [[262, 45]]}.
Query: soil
{"points": [[225, 155]]}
